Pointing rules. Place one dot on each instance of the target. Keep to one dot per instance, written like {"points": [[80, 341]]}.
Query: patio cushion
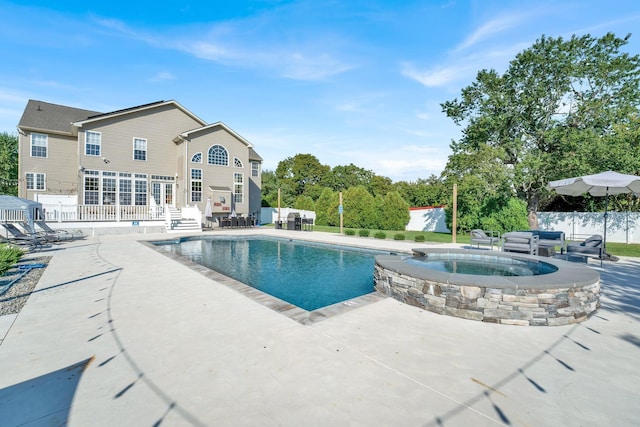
{"points": [[592, 241]]}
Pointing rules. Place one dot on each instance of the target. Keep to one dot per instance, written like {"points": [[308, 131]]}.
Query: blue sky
{"points": [[348, 81]]}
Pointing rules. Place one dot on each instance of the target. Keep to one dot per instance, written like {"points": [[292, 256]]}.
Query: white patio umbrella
{"points": [[600, 184], [207, 209]]}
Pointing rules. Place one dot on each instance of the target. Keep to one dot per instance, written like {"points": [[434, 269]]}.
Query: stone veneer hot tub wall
{"points": [[564, 297]]}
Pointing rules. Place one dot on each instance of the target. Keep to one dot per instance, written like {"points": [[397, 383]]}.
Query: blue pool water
{"points": [[310, 276], [485, 266]]}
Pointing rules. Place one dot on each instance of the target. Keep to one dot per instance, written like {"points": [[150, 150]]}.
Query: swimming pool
{"points": [[308, 275]]}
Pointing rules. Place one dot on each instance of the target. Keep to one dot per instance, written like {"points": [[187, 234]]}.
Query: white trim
{"points": [[99, 144], [146, 150], [46, 145]]}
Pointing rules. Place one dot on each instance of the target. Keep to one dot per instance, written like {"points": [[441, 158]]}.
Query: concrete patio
{"points": [[116, 333]]}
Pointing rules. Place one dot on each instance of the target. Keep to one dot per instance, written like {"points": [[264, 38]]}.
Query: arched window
{"points": [[197, 158], [218, 155], [237, 162]]}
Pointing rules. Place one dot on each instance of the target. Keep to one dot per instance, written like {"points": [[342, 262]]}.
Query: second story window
{"points": [[139, 149], [196, 158], [92, 143], [39, 145], [255, 169], [218, 155]]}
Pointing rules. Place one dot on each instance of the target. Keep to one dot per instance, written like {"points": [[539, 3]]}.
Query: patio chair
{"points": [[518, 241], [481, 237], [19, 238], [590, 247], [58, 234]]}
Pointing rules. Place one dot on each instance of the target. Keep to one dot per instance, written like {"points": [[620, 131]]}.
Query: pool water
{"points": [[310, 276], [485, 266]]}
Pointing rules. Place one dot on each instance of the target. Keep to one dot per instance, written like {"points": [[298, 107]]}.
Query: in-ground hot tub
{"points": [[494, 287]]}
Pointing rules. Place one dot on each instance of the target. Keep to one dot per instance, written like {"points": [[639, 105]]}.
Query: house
{"points": [[157, 161]]}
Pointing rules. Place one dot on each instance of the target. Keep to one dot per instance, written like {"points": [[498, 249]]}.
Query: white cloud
{"points": [[494, 26], [438, 76], [233, 45], [162, 76]]}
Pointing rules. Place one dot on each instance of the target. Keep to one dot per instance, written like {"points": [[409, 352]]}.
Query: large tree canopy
{"points": [[562, 108]]}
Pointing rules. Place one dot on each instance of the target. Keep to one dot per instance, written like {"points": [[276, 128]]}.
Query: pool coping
{"points": [[293, 312], [568, 274]]}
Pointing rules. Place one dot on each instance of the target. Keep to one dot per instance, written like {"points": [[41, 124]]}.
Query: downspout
{"points": [[186, 171]]}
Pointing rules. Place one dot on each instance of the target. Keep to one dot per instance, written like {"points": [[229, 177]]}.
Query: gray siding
{"points": [[60, 166], [159, 126], [221, 176]]}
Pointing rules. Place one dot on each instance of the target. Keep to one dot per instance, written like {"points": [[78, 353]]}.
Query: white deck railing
{"points": [[68, 213]]}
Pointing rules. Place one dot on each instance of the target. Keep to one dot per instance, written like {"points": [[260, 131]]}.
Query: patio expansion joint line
{"points": [[420, 383], [140, 375]]}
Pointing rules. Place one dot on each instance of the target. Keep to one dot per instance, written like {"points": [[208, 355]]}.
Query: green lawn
{"points": [[620, 249]]}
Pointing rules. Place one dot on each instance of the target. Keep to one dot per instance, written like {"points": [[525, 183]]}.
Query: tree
{"points": [[339, 178], [269, 190], [305, 203], [324, 206], [8, 164], [545, 113], [359, 209], [424, 192], [299, 172], [394, 212]]}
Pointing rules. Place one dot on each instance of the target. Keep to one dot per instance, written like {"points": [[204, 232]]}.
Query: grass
{"points": [[619, 249], [8, 257]]}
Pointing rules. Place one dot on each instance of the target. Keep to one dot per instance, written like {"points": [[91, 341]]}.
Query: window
{"points": [[140, 196], [92, 188], [218, 155], [237, 162], [255, 169], [196, 185], [36, 181], [92, 142], [197, 158], [108, 191], [124, 187], [139, 149], [39, 144], [238, 187]]}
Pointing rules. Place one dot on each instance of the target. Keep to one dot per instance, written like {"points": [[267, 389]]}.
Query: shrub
{"points": [[8, 257], [363, 233], [398, 236], [350, 232], [380, 235], [419, 238]]}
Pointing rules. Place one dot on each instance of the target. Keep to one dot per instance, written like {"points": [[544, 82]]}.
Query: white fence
{"points": [[270, 215], [427, 219], [622, 227]]}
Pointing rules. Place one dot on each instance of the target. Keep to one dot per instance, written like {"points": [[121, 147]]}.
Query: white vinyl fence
{"points": [[622, 227]]}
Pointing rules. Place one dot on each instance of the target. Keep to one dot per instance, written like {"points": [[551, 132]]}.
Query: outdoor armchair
{"points": [[481, 237]]}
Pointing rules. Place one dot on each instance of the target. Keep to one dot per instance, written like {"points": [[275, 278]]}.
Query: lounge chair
{"points": [[590, 247], [58, 234], [481, 237], [19, 238]]}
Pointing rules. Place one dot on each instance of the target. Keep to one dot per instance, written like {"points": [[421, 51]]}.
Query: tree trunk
{"points": [[532, 211]]}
